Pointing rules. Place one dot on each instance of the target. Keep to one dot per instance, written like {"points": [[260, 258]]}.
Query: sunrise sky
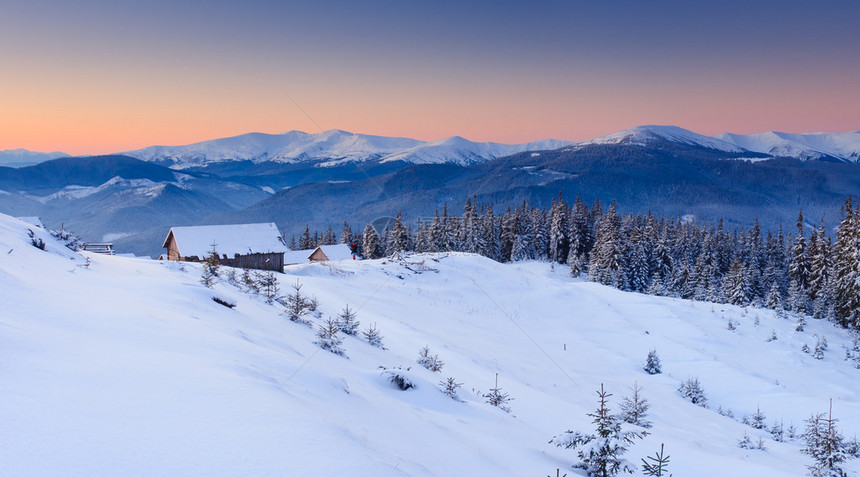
{"points": [[88, 77]]}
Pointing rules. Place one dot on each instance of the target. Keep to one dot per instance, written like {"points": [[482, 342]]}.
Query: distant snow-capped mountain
{"points": [[336, 147], [844, 146], [458, 150], [293, 146], [647, 135], [333, 147], [23, 157]]}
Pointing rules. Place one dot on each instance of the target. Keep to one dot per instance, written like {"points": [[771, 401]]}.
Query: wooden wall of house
{"points": [[257, 261]]}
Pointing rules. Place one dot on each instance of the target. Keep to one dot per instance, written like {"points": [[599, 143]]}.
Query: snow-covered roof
{"points": [[339, 251], [333, 252], [228, 239]]}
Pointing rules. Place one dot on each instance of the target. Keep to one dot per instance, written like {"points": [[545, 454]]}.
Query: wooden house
{"points": [[323, 253], [257, 246]]}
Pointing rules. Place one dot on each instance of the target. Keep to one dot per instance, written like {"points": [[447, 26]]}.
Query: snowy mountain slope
{"points": [[132, 369], [845, 146], [23, 157], [647, 135], [461, 151], [287, 147]]}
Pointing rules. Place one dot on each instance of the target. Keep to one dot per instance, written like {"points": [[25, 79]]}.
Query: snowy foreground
{"points": [[128, 367]]}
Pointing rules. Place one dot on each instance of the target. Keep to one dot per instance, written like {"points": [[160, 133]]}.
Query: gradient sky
{"points": [[106, 76]]}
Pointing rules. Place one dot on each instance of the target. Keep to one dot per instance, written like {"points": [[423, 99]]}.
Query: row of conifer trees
{"points": [[807, 271]]}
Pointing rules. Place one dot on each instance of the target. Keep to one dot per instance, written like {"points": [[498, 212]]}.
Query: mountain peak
{"points": [[649, 134]]}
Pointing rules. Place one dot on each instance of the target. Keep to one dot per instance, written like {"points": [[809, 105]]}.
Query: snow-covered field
{"points": [[128, 367]]}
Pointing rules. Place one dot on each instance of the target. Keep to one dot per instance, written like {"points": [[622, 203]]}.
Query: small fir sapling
{"points": [[805, 348], [69, 239], [296, 305], [601, 453], [449, 387], [758, 419], [692, 390], [211, 266], [745, 442], [634, 408], [328, 339], [777, 431], [498, 398], [652, 363], [249, 282], [431, 362], [820, 346], [772, 337], [801, 322], [347, 321], [657, 466], [269, 286], [373, 337]]}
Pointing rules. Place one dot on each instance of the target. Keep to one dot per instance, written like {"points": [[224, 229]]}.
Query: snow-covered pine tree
{"points": [[799, 266], [558, 242], [692, 390], [449, 387], [347, 321], [328, 339], [652, 363], [634, 408], [846, 269], [758, 419], [607, 258], [373, 337], [825, 444], [399, 238], [498, 398], [429, 361], [370, 242], [267, 283], [296, 306], [602, 453]]}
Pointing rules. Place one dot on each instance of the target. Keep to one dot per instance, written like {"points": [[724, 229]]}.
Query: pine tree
{"points": [[431, 362], [658, 465], [211, 266], [634, 408], [606, 264], [601, 454], [399, 237], [758, 419], [824, 443], [498, 398], [296, 306], [305, 241], [846, 269], [328, 339], [347, 321], [652, 363], [449, 387], [267, 283], [373, 337], [370, 242], [692, 390]]}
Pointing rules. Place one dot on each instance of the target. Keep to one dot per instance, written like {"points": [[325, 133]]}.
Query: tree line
{"points": [[808, 271]]}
